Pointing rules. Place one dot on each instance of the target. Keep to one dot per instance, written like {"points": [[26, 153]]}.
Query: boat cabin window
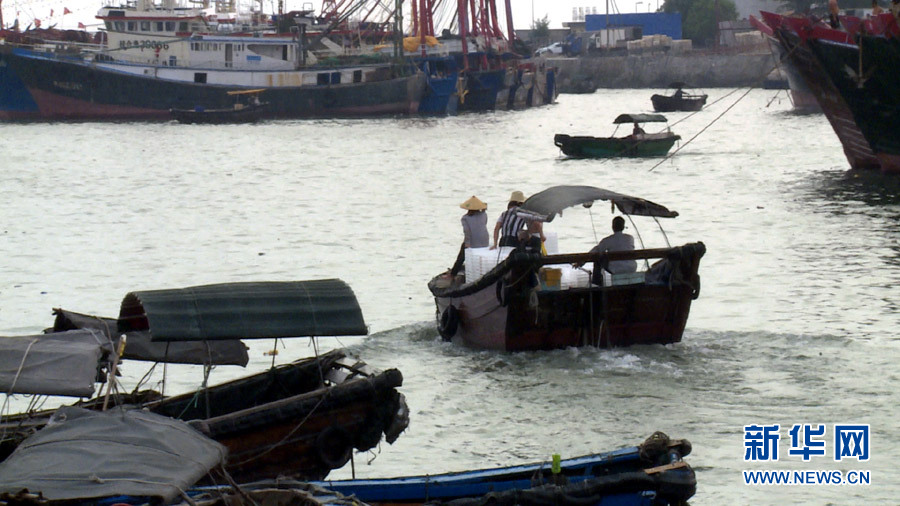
{"points": [[160, 26], [109, 25], [132, 26], [120, 26], [200, 77], [321, 79], [145, 26], [335, 78], [173, 61], [357, 76], [170, 26], [183, 26]]}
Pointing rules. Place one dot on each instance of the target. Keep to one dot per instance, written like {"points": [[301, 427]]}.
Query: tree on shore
{"points": [[699, 18], [540, 29]]}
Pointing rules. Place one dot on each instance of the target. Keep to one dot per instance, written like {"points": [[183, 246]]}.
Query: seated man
{"points": [[637, 130], [618, 241]]}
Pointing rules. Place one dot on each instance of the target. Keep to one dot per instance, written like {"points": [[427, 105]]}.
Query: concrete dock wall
{"points": [[659, 69]]}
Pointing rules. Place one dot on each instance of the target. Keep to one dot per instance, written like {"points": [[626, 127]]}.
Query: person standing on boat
{"points": [[834, 14], [618, 241], [475, 234], [510, 224]]}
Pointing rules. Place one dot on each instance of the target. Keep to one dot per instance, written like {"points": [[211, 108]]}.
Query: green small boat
{"points": [[638, 144]]}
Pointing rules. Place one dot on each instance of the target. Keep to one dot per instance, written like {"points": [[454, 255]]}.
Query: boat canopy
{"points": [[83, 454], [253, 310], [138, 345], [640, 118], [63, 363], [545, 205]]}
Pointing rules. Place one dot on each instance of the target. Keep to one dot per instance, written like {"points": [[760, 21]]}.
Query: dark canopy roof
{"points": [[84, 454], [255, 310], [547, 204], [138, 345], [640, 118], [52, 364]]}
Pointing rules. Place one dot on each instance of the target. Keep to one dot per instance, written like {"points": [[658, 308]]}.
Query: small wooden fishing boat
{"points": [[529, 301], [638, 144], [297, 420], [241, 112], [678, 100], [653, 473]]}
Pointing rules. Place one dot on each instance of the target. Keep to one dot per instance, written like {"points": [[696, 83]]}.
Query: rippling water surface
{"points": [[795, 323]]}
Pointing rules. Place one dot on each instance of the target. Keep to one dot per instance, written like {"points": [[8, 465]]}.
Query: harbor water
{"points": [[796, 322]]}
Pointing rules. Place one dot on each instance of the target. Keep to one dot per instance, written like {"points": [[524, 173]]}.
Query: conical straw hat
{"points": [[473, 204]]}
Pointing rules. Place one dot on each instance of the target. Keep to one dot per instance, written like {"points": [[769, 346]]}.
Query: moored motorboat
{"points": [[638, 144], [652, 473], [678, 100], [508, 309], [240, 112]]}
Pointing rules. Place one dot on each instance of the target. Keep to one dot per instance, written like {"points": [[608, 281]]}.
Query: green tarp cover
{"points": [[82, 455], [255, 310], [546, 204]]}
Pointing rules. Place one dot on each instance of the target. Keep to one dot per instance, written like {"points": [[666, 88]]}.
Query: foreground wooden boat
{"points": [[679, 100], [298, 420], [507, 309], [653, 473], [638, 144]]}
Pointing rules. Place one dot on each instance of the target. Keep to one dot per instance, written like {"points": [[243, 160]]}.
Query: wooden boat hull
{"points": [[611, 147], [664, 103], [625, 474], [298, 420], [503, 311]]}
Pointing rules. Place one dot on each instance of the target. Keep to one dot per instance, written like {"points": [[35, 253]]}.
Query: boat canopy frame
{"points": [[250, 310], [545, 205], [640, 118]]}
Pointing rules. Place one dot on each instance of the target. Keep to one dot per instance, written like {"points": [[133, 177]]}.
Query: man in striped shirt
{"points": [[510, 223]]}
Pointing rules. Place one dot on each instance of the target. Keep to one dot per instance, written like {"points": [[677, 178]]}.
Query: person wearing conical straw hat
{"points": [[509, 224], [475, 234]]}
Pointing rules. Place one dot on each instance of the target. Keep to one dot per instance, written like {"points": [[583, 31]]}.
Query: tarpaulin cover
{"points": [[138, 345], [52, 364], [547, 204], [84, 454], [253, 310]]}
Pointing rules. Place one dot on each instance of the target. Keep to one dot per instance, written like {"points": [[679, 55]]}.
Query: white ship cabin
{"points": [[165, 34]]}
